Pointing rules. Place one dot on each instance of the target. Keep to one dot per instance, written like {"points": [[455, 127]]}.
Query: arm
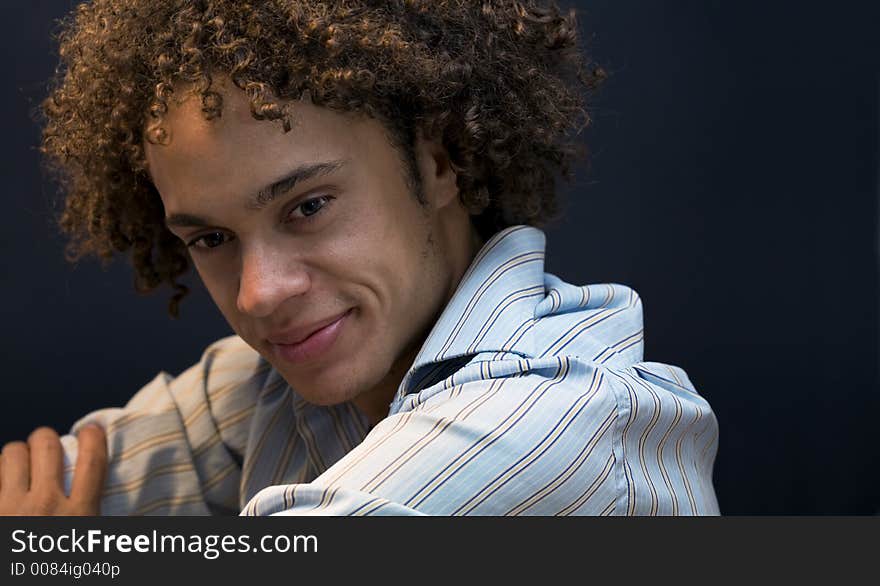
{"points": [[574, 438], [175, 448], [533, 444]]}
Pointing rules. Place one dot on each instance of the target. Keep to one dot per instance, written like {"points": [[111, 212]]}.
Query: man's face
{"points": [[334, 278]]}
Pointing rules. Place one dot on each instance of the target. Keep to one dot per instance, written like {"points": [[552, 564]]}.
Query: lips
{"points": [[310, 342], [299, 334]]}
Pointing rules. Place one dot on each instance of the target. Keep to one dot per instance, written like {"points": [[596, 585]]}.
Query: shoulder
{"points": [[231, 350], [229, 359], [229, 370], [635, 440]]}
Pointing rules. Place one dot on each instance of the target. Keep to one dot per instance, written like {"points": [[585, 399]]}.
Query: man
{"points": [[357, 187]]}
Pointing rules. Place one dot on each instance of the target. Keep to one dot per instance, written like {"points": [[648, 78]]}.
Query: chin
{"points": [[324, 387], [324, 396]]}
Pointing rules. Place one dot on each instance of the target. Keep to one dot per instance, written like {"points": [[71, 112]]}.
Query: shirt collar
{"points": [[494, 300]]}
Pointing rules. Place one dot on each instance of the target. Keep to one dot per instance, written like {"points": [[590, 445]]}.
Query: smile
{"points": [[315, 345]]}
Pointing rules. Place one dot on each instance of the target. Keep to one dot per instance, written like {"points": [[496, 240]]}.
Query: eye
{"points": [[309, 208], [208, 241]]}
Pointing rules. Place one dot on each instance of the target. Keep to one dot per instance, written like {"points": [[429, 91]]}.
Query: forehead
{"points": [[188, 130], [230, 154]]}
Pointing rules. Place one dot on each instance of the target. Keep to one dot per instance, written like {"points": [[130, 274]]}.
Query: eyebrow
{"points": [[270, 193]]}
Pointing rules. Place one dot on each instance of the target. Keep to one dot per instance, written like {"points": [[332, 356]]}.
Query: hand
{"points": [[32, 475]]}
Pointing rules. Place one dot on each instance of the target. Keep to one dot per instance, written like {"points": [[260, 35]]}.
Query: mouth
{"points": [[313, 346]]}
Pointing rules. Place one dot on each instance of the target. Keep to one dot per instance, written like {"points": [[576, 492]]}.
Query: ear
{"points": [[438, 176]]}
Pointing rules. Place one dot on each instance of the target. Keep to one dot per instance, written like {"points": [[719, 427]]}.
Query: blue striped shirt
{"points": [[529, 397]]}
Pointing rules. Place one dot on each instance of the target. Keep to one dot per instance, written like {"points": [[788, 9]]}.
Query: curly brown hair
{"points": [[502, 81]]}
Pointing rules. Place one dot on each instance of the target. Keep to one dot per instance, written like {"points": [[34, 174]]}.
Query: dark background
{"points": [[733, 183]]}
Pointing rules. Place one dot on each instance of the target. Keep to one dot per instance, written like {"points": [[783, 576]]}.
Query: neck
{"points": [[375, 402]]}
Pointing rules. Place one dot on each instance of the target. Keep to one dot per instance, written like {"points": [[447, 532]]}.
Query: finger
{"points": [[16, 471], [91, 466], [47, 472]]}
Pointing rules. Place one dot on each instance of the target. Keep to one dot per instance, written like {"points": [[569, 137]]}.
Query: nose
{"points": [[268, 278]]}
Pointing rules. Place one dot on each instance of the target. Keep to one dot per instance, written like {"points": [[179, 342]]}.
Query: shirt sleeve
{"points": [[176, 447], [564, 438]]}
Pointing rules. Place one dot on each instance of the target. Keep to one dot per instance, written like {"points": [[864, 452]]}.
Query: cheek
{"points": [[223, 291], [391, 273], [412, 286]]}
